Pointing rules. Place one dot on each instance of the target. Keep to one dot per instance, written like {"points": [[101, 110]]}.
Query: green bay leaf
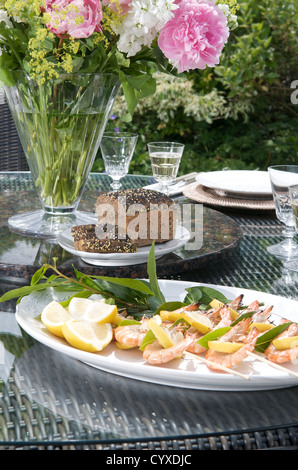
{"points": [[212, 335], [265, 339]]}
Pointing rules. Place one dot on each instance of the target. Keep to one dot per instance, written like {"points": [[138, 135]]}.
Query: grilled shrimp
{"points": [[261, 316], [155, 354], [237, 333], [131, 335], [283, 355]]}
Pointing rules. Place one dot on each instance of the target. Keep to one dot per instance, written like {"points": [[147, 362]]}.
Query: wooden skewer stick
{"points": [[226, 369], [273, 364]]}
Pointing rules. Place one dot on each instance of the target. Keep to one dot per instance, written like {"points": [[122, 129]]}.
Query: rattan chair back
{"points": [[12, 157]]}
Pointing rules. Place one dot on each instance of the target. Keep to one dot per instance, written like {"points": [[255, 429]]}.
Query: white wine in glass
{"points": [[165, 159]]}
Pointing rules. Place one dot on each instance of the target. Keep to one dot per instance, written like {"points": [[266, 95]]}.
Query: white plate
{"points": [[182, 236], [185, 373], [250, 183]]}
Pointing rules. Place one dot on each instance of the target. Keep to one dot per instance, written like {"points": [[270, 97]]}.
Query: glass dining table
{"points": [[49, 400]]}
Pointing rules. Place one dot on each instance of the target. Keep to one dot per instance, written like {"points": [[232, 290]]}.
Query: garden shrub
{"points": [[239, 115]]}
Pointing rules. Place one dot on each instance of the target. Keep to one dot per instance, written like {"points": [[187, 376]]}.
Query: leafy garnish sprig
{"points": [[135, 297]]}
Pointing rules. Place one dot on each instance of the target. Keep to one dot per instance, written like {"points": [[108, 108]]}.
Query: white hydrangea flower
{"points": [[142, 23], [17, 19], [232, 19], [4, 17]]}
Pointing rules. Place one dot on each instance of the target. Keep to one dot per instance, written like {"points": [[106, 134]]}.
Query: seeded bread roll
{"points": [[140, 214], [85, 239]]}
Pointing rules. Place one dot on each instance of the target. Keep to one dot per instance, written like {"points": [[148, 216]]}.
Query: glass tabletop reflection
{"points": [[47, 398]]}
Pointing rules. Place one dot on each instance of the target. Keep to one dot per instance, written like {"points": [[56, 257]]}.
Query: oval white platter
{"points": [[186, 373]]}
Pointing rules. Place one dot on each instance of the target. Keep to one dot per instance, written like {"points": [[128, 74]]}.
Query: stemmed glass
{"points": [[117, 149], [281, 178], [293, 264], [165, 160]]}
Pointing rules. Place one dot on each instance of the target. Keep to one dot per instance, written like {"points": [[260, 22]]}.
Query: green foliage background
{"points": [[238, 115]]}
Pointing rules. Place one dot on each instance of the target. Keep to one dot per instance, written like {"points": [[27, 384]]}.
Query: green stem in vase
{"points": [[46, 184]]}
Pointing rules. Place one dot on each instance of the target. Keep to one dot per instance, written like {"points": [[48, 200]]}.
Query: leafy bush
{"points": [[238, 115]]}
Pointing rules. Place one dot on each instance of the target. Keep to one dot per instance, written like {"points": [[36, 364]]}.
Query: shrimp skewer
{"points": [[221, 317], [206, 361], [155, 354], [131, 335], [273, 364], [237, 333], [225, 321], [230, 360], [261, 316], [283, 355]]}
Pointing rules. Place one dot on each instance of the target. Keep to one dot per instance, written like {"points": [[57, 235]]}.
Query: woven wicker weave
{"points": [[12, 157], [284, 438]]}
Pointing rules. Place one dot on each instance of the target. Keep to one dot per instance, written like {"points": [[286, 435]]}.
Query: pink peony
{"points": [[195, 36], [64, 14], [118, 6]]}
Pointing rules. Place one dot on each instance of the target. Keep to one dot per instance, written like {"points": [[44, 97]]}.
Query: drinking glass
{"points": [[165, 160], [294, 201], [117, 149], [293, 265], [281, 178]]}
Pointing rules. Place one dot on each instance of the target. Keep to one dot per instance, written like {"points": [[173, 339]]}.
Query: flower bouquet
{"points": [[62, 63]]}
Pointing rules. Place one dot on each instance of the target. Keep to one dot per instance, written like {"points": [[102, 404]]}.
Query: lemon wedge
{"points": [[87, 336], [286, 342], [54, 316], [118, 318], [195, 319], [261, 326], [95, 311], [199, 321], [165, 315], [234, 314], [216, 303], [160, 333], [224, 346]]}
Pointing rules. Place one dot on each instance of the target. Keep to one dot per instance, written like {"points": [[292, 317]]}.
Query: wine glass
{"points": [[293, 264], [117, 149], [281, 178], [165, 160]]}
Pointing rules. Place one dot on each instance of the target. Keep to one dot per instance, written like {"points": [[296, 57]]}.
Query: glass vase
{"points": [[60, 124]]}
